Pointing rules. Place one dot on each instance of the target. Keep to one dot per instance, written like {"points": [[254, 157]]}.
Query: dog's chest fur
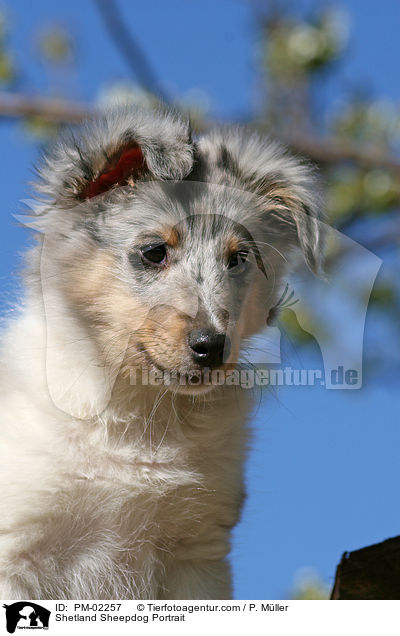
{"points": [[112, 503]]}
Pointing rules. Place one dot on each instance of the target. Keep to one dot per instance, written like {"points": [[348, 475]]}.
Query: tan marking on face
{"points": [[96, 291], [110, 310], [232, 247], [164, 336], [171, 236], [119, 320], [252, 317], [262, 294]]}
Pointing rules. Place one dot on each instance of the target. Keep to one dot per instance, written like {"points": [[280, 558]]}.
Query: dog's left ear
{"points": [[118, 148], [288, 188]]}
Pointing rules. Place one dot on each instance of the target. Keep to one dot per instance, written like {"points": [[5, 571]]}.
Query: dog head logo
{"points": [[26, 615]]}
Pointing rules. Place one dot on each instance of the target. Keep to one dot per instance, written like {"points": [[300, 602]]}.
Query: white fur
{"points": [[111, 507]]}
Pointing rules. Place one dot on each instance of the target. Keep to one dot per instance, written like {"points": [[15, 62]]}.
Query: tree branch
{"points": [[130, 49], [15, 106], [321, 150], [325, 150]]}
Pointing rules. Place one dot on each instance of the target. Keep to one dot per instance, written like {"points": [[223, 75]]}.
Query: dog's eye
{"points": [[155, 254], [238, 262]]}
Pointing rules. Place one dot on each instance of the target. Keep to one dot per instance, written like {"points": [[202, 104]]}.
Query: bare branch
{"points": [[130, 49], [321, 150], [14, 106], [325, 150]]}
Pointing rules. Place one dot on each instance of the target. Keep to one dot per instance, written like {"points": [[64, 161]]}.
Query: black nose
{"points": [[209, 348]]}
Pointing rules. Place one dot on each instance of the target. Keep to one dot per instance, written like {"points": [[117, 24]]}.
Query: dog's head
{"points": [[171, 250]]}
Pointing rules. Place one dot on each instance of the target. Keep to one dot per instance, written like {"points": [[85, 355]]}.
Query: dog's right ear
{"points": [[287, 187], [118, 148]]}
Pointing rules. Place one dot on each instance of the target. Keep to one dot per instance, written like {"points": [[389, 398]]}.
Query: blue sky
{"points": [[323, 470]]}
